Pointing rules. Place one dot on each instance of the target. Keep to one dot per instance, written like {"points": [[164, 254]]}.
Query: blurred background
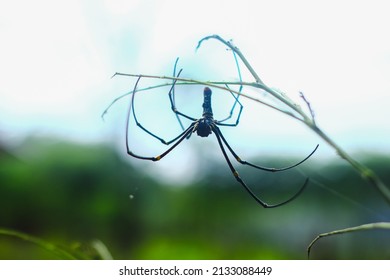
{"points": [[65, 176]]}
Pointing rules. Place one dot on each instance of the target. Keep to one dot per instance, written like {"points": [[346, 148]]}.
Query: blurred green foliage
{"points": [[71, 194]]}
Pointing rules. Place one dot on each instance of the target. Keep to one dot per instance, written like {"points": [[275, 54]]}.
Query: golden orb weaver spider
{"points": [[205, 126]]}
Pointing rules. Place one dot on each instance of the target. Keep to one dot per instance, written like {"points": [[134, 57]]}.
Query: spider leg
{"points": [[231, 111], [234, 96], [174, 109], [172, 99], [131, 111], [261, 167], [179, 139], [219, 136]]}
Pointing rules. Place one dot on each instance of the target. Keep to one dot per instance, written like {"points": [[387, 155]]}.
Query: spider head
{"points": [[203, 127]]}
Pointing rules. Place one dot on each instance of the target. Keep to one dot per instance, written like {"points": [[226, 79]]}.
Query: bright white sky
{"points": [[57, 57]]}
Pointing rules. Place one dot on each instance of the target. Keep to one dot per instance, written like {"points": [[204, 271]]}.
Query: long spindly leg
{"points": [[172, 98], [270, 169], [235, 96], [239, 179], [131, 111], [173, 101], [179, 139], [221, 122]]}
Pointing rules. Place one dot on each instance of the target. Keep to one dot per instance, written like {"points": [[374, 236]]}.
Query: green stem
{"points": [[219, 85], [381, 225], [364, 171], [39, 242]]}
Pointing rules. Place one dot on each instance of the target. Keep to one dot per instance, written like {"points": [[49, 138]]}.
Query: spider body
{"points": [[205, 126]]}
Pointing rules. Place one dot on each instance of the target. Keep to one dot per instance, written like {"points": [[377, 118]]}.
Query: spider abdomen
{"points": [[203, 128]]}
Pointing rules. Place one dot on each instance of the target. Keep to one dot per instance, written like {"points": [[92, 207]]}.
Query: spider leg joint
{"points": [[157, 158]]}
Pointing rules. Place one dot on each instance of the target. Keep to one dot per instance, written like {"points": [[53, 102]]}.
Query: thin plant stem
{"points": [[381, 225], [185, 81], [63, 254]]}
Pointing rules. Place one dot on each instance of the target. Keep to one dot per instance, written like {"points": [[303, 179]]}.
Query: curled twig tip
{"points": [[103, 114], [206, 38], [114, 75]]}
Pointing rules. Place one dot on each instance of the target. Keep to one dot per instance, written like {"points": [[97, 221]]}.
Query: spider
{"points": [[203, 127]]}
